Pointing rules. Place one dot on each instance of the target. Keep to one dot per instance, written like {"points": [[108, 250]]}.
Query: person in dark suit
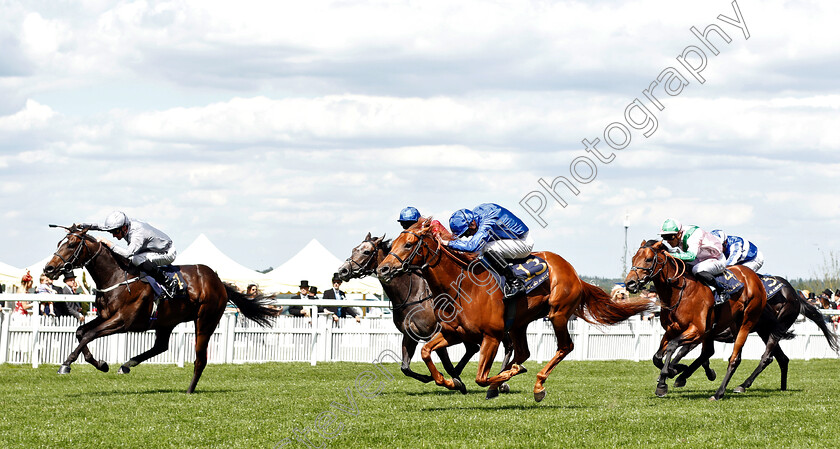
{"points": [[73, 309], [304, 293], [336, 293], [313, 294]]}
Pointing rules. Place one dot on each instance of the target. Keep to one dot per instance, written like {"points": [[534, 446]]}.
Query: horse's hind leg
{"points": [[160, 346], [470, 350], [783, 360], [204, 328], [734, 361], [564, 347], [409, 345]]}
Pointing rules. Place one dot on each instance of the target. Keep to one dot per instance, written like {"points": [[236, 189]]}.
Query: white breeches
{"points": [[711, 266], [156, 258], [756, 263], [511, 248]]}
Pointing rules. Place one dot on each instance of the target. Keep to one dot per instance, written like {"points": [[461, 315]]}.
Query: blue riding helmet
{"points": [[460, 221], [409, 214]]}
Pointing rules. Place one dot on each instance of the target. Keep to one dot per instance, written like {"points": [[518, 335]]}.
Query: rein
{"points": [[652, 272], [407, 265]]}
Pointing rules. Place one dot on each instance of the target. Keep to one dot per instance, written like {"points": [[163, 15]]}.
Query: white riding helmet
{"points": [[116, 220]]}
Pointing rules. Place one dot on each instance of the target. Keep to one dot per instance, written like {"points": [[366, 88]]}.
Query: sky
{"points": [[266, 124]]}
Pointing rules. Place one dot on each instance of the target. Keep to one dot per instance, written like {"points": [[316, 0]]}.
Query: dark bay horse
{"points": [[689, 318], [413, 313], [469, 306], [783, 307], [124, 303]]}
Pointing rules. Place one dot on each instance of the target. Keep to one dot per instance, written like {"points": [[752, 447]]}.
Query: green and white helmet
{"points": [[671, 226]]}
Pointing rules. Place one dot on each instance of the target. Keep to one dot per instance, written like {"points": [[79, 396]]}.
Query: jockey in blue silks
{"points": [[740, 251], [408, 217], [495, 233]]}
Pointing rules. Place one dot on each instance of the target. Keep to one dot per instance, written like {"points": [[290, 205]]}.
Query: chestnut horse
{"points": [[689, 317], [783, 307], [124, 303], [469, 305], [412, 309]]}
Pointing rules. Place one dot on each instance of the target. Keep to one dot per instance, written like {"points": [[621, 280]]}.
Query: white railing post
{"points": [[181, 335], [229, 336], [313, 322], [35, 321], [6, 317]]}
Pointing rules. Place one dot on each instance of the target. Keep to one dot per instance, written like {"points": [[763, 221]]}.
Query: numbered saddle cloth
{"points": [[771, 285], [532, 270], [172, 272], [732, 286]]}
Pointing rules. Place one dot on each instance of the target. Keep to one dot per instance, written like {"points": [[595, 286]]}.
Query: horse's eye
{"points": [[649, 259], [366, 252], [408, 245]]}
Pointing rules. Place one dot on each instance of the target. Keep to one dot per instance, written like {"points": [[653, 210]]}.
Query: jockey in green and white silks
{"points": [[701, 250], [740, 251]]}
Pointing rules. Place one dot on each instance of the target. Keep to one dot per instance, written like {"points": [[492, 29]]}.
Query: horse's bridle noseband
{"points": [[70, 263], [407, 265], [366, 268]]}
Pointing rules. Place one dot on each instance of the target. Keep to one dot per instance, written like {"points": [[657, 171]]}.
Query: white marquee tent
{"points": [[203, 251], [315, 264], [10, 275]]}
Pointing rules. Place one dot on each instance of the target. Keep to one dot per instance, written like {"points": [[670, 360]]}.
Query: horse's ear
{"points": [[643, 243], [368, 237], [382, 238]]}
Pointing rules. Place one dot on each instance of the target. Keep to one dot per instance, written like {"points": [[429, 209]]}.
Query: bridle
{"points": [[656, 269], [366, 268], [72, 262], [407, 265]]}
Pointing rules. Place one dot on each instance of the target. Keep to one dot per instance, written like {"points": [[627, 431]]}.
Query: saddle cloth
{"points": [[732, 286], [771, 284], [532, 270], [172, 272]]}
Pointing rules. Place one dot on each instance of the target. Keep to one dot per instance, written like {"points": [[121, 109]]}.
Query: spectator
{"points": [[618, 293], [73, 309], [45, 287], [336, 293], [252, 291], [303, 293], [26, 282], [313, 294]]}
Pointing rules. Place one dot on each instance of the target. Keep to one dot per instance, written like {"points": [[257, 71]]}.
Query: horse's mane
{"points": [[439, 231], [650, 243]]}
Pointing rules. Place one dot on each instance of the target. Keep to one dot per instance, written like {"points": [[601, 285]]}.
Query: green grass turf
{"points": [[589, 404]]}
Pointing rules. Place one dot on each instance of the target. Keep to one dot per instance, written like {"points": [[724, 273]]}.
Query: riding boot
{"points": [[513, 286], [170, 286], [711, 282]]}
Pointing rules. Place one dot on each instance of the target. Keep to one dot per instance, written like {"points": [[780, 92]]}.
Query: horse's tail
{"points": [[602, 309], [812, 313], [255, 309]]}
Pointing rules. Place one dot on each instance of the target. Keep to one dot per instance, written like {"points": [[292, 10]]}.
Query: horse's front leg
{"points": [[661, 385], [409, 345], [98, 329], [437, 342]]}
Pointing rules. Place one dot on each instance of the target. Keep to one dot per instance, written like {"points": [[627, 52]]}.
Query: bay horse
{"points": [[783, 307], [413, 313], [690, 319], [124, 303], [468, 311]]}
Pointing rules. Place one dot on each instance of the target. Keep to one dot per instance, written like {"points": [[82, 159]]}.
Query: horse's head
{"points": [[74, 251], [647, 263], [362, 260], [412, 250]]}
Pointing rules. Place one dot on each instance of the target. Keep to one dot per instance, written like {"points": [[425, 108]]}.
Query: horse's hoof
{"points": [[711, 374], [504, 388], [679, 383], [459, 385], [539, 396], [522, 369], [492, 394], [739, 389], [661, 391], [64, 369], [103, 366], [713, 399], [124, 370]]}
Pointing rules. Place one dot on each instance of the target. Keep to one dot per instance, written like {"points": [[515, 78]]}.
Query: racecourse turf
{"points": [[589, 404]]}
